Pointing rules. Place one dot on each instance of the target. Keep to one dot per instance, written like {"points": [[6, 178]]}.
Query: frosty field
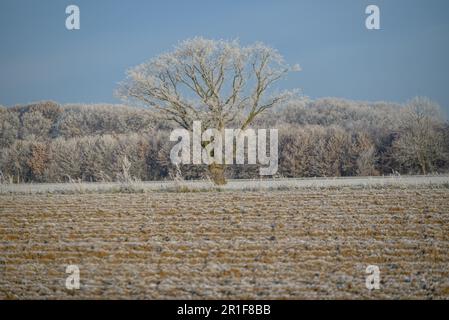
{"points": [[300, 243]]}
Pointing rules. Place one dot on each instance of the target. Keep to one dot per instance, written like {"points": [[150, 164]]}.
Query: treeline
{"points": [[47, 142]]}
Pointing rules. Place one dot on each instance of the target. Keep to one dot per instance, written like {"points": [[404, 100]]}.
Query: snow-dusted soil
{"points": [[231, 185], [302, 243]]}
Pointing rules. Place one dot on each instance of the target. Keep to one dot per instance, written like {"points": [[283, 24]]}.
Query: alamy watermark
{"points": [[72, 282], [372, 22], [372, 281], [208, 147], [72, 22]]}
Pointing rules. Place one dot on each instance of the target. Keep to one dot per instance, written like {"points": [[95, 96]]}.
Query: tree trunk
{"points": [[217, 173], [422, 163], [423, 168]]}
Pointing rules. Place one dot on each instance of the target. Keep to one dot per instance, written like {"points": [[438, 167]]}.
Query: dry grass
{"points": [[177, 184], [265, 245]]}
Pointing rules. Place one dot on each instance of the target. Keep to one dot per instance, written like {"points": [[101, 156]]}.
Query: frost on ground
{"points": [[306, 243], [232, 185]]}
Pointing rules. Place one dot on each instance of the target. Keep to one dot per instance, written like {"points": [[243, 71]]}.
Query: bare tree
{"points": [[216, 82], [365, 154], [9, 127], [325, 137], [421, 142], [35, 124]]}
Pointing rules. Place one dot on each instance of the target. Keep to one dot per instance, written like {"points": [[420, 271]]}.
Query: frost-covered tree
{"points": [[216, 82], [35, 124], [421, 142], [326, 137], [9, 127]]}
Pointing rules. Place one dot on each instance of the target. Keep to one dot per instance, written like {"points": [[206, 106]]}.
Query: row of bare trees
{"points": [[46, 142], [224, 85]]}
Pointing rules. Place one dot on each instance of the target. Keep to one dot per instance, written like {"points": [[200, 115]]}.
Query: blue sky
{"points": [[41, 60]]}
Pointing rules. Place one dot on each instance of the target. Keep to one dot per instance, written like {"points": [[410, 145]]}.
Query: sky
{"points": [[41, 60]]}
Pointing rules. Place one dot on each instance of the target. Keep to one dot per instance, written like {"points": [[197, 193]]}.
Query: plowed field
{"points": [[290, 244]]}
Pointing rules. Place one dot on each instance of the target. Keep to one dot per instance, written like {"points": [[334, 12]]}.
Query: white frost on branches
{"points": [[216, 82]]}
